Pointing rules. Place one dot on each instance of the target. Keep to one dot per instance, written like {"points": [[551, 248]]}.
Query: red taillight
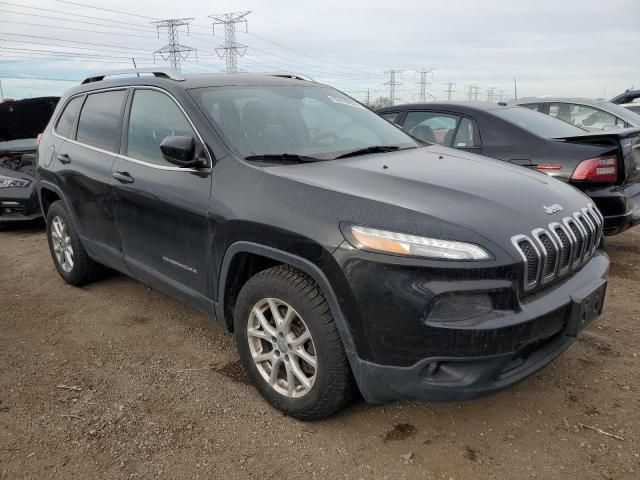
{"points": [[601, 169], [38, 139]]}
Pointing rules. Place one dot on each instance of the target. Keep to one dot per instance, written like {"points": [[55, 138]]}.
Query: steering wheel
{"points": [[322, 136]]}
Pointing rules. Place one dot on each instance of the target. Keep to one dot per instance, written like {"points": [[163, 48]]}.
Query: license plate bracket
{"points": [[585, 309]]}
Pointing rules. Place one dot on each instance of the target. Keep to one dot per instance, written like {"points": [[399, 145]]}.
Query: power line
{"points": [[231, 49], [107, 9], [74, 15], [120, 34], [174, 52], [71, 41]]}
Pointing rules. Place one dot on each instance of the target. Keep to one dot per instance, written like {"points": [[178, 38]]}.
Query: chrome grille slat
{"points": [[561, 247]]}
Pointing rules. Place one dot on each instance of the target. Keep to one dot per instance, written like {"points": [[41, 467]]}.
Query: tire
{"points": [[330, 385], [60, 233]]}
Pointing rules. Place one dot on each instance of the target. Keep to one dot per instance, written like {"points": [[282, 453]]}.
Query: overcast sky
{"points": [[563, 47]]}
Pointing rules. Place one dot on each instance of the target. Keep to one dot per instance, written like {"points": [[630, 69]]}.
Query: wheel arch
{"points": [[272, 257]]}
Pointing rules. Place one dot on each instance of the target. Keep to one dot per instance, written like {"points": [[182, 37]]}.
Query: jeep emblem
{"points": [[551, 209]]}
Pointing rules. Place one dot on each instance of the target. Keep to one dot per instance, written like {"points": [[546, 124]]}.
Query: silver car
{"points": [[591, 115]]}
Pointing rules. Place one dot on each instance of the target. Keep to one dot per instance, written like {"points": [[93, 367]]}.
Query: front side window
{"points": [[432, 127], [68, 117], [154, 116], [99, 123], [304, 120], [584, 116]]}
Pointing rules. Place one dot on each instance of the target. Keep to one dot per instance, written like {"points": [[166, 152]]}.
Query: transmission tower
{"points": [[173, 52], [490, 93], [450, 89], [476, 92], [422, 84], [471, 90], [392, 84], [231, 49]]}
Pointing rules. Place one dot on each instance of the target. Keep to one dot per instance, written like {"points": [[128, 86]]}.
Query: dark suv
{"points": [[340, 251]]}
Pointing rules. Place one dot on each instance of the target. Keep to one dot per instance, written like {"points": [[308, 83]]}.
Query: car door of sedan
{"points": [[162, 209]]}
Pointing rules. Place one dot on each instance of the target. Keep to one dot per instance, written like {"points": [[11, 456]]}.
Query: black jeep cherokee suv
{"points": [[340, 251]]}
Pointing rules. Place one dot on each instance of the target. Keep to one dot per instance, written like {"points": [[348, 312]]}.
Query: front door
{"points": [[162, 209]]}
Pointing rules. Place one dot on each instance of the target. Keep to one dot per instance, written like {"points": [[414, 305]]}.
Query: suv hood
{"points": [[464, 191]]}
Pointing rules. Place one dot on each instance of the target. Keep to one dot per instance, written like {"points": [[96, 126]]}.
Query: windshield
{"points": [[24, 119], [537, 123], [306, 120]]}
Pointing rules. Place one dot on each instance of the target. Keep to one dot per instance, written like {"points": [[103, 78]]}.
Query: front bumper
{"points": [[463, 360], [19, 204]]}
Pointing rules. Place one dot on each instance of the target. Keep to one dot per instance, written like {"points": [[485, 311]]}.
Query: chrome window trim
{"points": [[124, 157], [545, 255], [515, 240], [553, 227]]}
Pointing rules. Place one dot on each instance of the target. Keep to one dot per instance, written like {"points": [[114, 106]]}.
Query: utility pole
{"points": [[368, 96], [450, 89], [422, 84], [1, 90], [231, 49], [515, 89], [173, 52], [392, 83]]}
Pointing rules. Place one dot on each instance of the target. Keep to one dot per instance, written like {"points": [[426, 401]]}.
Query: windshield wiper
{"points": [[368, 150], [287, 157]]}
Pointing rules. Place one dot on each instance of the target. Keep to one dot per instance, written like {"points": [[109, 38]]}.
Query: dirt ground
{"points": [[118, 381]]}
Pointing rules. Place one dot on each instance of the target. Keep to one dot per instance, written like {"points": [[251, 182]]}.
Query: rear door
{"points": [[83, 162], [162, 209]]}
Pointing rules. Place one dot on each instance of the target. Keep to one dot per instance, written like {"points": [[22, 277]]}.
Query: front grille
{"points": [[552, 252]]}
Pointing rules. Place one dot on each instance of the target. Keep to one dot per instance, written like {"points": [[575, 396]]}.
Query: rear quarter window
{"points": [[68, 117], [100, 120]]}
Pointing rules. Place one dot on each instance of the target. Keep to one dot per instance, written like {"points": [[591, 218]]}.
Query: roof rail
{"points": [[158, 72], [295, 76]]}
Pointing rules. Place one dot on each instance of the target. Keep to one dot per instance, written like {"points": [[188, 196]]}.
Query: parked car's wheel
{"points": [[290, 346], [69, 256]]}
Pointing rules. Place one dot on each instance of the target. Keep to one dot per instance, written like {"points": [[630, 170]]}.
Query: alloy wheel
{"points": [[61, 241], [282, 347]]}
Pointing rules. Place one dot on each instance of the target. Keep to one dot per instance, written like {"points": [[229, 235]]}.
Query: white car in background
{"points": [[591, 115]]}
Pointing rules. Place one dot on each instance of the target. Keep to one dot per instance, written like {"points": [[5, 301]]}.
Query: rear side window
{"points": [[432, 127], [99, 124], [154, 116], [68, 117], [391, 116], [466, 136], [533, 106]]}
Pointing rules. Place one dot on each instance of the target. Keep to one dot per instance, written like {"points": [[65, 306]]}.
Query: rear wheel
{"points": [[290, 346], [69, 256]]}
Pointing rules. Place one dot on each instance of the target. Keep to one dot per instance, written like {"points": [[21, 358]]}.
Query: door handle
{"points": [[63, 158], [123, 177]]}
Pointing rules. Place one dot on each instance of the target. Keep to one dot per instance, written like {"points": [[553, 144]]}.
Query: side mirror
{"points": [[180, 150]]}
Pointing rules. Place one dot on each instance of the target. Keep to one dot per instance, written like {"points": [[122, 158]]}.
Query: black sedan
{"points": [[605, 165], [20, 123]]}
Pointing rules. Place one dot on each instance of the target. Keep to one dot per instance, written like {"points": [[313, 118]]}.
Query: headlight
{"points": [[413, 246], [6, 182]]}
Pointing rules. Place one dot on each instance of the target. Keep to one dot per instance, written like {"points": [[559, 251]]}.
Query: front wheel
{"points": [[290, 346]]}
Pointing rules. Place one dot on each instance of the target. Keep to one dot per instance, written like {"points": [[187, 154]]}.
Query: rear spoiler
{"points": [[606, 136]]}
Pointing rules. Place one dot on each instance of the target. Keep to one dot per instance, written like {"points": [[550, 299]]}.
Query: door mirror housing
{"points": [[181, 150]]}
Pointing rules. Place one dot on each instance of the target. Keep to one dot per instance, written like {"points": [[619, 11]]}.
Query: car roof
{"points": [[458, 106], [190, 81], [584, 101]]}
